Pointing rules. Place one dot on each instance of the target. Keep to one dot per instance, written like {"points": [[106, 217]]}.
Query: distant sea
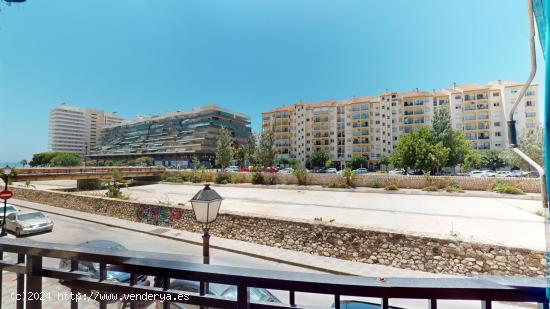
{"points": [[10, 164]]}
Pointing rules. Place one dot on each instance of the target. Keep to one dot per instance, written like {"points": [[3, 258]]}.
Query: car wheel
{"points": [[18, 232]]}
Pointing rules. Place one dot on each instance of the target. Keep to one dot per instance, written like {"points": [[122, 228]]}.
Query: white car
{"points": [[288, 170], [490, 173], [233, 168], [30, 222], [504, 174], [361, 171], [397, 171], [477, 174], [331, 170], [9, 210]]}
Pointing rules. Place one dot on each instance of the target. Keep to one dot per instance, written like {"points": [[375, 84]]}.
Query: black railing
{"points": [[30, 270]]}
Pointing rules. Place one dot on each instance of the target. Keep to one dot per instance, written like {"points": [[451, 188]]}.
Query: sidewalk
{"points": [[320, 263]]}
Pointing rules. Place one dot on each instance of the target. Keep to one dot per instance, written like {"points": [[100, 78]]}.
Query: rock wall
{"points": [[530, 185], [367, 246]]}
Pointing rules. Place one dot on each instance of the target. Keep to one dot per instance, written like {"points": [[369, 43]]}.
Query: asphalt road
{"points": [[73, 231]]}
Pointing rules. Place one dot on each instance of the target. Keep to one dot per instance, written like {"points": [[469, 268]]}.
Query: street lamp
{"points": [[5, 177], [206, 205]]}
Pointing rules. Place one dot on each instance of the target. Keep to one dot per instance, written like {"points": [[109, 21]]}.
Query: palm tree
{"points": [[23, 162]]}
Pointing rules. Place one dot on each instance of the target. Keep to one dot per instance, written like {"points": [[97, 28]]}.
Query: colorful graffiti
{"points": [[157, 215]]}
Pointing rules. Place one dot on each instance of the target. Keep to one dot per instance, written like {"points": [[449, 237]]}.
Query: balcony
{"points": [[164, 267]]}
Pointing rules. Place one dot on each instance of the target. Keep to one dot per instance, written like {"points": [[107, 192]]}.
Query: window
{"points": [[498, 134], [457, 97], [496, 104], [496, 94], [496, 124]]}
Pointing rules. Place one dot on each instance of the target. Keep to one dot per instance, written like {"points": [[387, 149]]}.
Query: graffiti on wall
{"points": [[157, 215]]}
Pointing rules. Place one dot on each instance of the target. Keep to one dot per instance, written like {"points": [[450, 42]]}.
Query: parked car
{"points": [[416, 172], [319, 170], [9, 210], [361, 171], [223, 290], [271, 169], [397, 171], [244, 169], [331, 170], [490, 173], [30, 222], [519, 173], [93, 268], [503, 174], [356, 304], [233, 168], [477, 174], [287, 170]]}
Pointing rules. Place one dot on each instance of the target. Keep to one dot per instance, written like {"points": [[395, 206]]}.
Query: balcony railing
{"points": [[30, 272]]}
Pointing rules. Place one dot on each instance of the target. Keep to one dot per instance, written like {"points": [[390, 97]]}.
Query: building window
{"points": [[497, 124], [496, 94], [497, 134], [496, 104]]}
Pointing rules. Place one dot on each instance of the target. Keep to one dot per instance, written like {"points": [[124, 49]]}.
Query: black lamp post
{"points": [[5, 178], [206, 206]]}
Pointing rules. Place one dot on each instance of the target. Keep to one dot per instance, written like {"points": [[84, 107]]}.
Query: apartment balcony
{"points": [[481, 117], [483, 136], [482, 127], [407, 104]]}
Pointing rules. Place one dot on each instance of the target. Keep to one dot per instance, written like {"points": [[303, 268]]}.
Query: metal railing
{"points": [[30, 272]]}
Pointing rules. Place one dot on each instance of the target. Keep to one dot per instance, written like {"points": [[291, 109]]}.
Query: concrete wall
{"points": [[392, 249]]}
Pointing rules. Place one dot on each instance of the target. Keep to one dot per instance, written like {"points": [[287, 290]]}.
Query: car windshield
{"points": [[30, 216], [10, 208]]}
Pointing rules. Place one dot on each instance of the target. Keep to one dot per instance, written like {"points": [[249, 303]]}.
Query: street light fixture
{"points": [[5, 177], [206, 205]]}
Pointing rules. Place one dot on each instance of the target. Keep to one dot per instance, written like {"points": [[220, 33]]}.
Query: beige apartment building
{"points": [[371, 126], [77, 130]]}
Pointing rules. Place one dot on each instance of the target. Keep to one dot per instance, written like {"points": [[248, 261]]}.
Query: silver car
{"points": [[24, 223], [9, 210]]}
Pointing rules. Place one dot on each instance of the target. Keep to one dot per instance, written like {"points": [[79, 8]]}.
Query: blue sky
{"points": [[143, 57]]}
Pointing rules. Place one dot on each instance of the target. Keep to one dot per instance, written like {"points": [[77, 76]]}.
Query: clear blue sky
{"points": [[142, 56]]}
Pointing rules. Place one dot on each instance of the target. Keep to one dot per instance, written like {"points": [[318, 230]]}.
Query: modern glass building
{"points": [[172, 139]]}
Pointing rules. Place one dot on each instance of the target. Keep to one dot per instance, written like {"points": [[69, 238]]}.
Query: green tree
{"points": [[42, 158], [491, 159], [241, 155], [328, 163], [145, 160], [472, 160], [23, 162], [266, 151], [384, 161], [65, 159], [284, 161], [223, 148], [251, 150], [452, 139], [419, 150], [532, 145], [317, 159], [358, 161], [350, 176]]}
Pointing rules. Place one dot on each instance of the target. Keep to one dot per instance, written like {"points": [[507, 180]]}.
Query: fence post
{"points": [[34, 282]]}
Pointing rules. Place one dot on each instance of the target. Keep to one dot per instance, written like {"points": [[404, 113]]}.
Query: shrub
{"points": [[301, 175], [338, 185], [172, 177], [507, 188], [350, 177], [270, 179], [391, 188], [222, 178], [430, 188], [237, 178], [374, 184], [113, 191], [454, 188], [258, 178]]}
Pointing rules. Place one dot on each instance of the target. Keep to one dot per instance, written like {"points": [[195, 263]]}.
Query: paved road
{"points": [[73, 231]]}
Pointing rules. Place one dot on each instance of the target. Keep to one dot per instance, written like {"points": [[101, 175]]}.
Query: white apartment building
{"points": [[371, 126], [77, 130]]}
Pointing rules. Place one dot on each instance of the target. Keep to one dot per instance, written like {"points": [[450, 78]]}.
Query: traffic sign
{"points": [[6, 194]]}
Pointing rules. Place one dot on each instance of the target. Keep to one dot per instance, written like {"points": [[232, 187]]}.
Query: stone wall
{"points": [[530, 185], [367, 246]]}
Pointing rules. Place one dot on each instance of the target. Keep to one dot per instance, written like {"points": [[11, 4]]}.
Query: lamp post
{"points": [[5, 177], [206, 205]]}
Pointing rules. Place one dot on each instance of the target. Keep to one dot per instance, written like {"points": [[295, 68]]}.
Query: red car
{"points": [[244, 169], [271, 169]]}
